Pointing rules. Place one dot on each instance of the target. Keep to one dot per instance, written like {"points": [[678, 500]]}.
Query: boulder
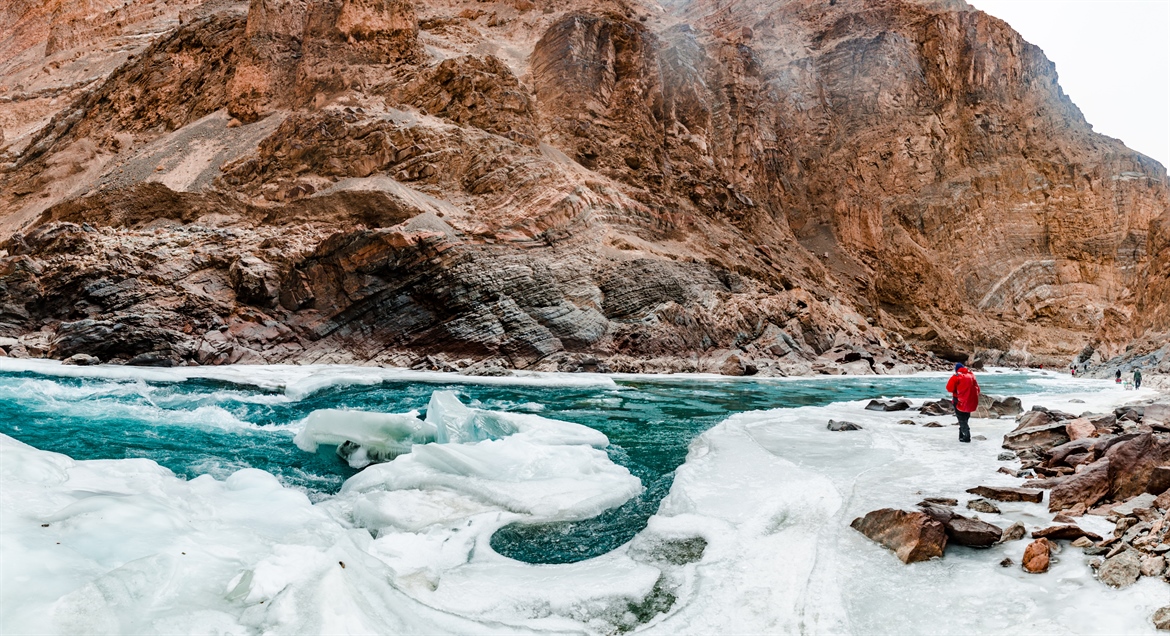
{"points": [[912, 536], [1045, 436], [982, 505], [1156, 414], [1006, 456], [1120, 570], [891, 405], [1144, 500], [984, 410], [907, 422], [938, 407], [1007, 406], [1086, 487], [962, 530], [1082, 542], [940, 501], [834, 425], [1006, 493], [1064, 533], [1161, 618], [1036, 556], [932, 425], [1014, 532], [1132, 464], [1152, 565], [1159, 480], [1080, 428], [81, 360], [1033, 418]]}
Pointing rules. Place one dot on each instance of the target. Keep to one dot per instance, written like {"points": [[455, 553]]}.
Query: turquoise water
{"points": [[200, 426]]}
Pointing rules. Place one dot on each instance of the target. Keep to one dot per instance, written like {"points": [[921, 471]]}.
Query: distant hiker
{"points": [[1137, 378], [1073, 370], [1118, 380], [964, 390]]}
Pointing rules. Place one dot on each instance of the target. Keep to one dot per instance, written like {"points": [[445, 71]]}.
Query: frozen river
{"points": [[210, 500]]}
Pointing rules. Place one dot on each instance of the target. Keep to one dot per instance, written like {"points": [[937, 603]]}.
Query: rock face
{"points": [[739, 187], [913, 536]]}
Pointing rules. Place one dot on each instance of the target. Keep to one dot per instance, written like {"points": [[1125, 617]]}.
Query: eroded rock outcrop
{"points": [[744, 187]]}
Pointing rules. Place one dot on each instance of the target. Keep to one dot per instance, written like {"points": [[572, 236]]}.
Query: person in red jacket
{"points": [[964, 390]]}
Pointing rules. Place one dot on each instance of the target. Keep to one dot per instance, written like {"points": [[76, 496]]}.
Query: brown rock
{"points": [[963, 530], [1004, 493], [1161, 618], [1080, 428], [1132, 464], [913, 536], [1120, 570], [1159, 480], [1014, 532], [1064, 533], [983, 505], [1153, 565], [1036, 556], [1046, 436], [1085, 488], [1032, 419]]}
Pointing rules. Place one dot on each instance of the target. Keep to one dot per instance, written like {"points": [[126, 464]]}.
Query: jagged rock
{"points": [[1006, 562], [932, 425], [1007, 406], [81, 360], [1152, 565], [1044, 436], [938, 407], [1033, 418], [983, 505], [1082, 542], [1161, 618], [834, 425], [1014, 532], [1006, 456], [891, 405], [1086, 487], [940, 501], [1036, 556], [1159, 481], [907, 422], [254, 281], [1132, 464], [1064, 533], [1133, 504], [1005, 493], [1120, 570], [1080, 428], [912, 536], [963, 530]]}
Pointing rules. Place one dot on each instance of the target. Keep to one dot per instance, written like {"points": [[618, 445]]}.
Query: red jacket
{"points": [[965, 388]]}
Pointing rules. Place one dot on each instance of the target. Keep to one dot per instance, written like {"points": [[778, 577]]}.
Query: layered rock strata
{"points": [[743, 187]]}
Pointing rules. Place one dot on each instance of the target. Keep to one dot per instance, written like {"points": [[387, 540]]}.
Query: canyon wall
{"points": [[738, 186]]}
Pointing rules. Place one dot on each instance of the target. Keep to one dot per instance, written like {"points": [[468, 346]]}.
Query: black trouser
{"points": [[1137, 382], [964, 429]]}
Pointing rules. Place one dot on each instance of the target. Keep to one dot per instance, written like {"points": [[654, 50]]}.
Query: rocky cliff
{"points": [[736, 186]]}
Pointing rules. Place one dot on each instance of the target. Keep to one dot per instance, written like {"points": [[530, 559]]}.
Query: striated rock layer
{"points": [[738, 186]]}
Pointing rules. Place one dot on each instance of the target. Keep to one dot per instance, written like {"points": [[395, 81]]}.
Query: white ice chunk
{"points": [[380, 435], [553, 483]]}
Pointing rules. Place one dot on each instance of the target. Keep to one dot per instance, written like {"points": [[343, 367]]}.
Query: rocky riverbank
{"points": [[1098, 469]]}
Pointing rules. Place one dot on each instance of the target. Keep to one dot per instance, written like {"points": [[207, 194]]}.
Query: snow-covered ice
{"points": [[752, 538]]}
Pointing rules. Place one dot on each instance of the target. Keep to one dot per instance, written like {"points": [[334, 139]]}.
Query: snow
{"points": [[752, 538]]}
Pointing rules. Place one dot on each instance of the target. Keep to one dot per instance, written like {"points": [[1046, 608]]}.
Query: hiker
{"points": [[964, 390], [1118, 380], [1137, 378]]}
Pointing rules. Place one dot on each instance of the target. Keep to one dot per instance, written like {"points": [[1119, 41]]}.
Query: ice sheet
{"points": [[753, 538]]}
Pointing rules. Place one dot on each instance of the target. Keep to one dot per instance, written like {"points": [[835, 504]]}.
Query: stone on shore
{"points": [[1046, 436], [1086, 487], [1132, 464], [1007, 406], [1006, 493], [912, 536], [982, 505], [1152, 565], [1036, 557], [963, 530], [834, 425], [890, 405], [1161, 618], [1064, 533], [1080, 428], [938, 407], [1014, 532], [81, 360], [1032, 419], [1120, 570], [940, 501]]}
